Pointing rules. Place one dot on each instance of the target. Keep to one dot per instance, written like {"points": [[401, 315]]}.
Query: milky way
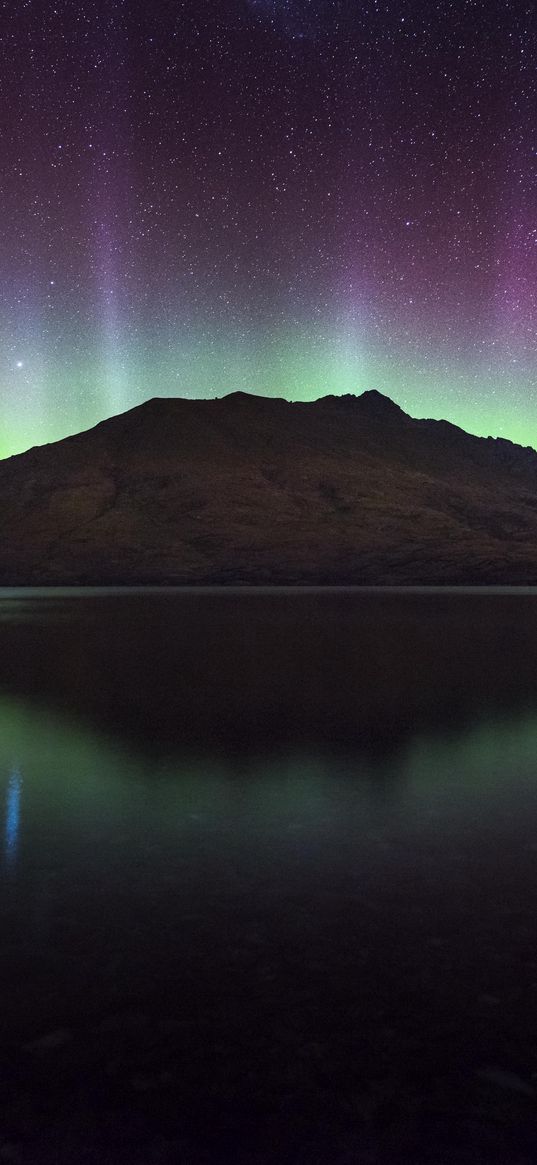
{"points": [[292, 198]]}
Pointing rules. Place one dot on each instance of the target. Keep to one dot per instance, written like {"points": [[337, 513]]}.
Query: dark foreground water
{"points": [[268, 877]]}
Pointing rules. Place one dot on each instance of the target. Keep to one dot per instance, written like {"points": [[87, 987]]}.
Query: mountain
{"points": [[259, 490]]}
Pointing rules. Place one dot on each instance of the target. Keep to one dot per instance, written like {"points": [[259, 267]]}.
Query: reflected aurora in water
{"points": [[335, 902], [13, 813]]}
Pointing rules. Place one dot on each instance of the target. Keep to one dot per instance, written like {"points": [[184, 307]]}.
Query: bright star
{"points": [[20, 364]]}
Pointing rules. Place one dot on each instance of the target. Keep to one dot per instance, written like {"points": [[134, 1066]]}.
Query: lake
{"points": [[268, 881]]}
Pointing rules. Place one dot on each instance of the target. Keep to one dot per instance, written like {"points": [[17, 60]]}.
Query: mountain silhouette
{"points": [[248, 489]]}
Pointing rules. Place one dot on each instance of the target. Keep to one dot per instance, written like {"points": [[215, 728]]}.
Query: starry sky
{"points": [[289, 197]]}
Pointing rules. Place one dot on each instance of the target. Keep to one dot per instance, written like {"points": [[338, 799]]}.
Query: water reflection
{"points": [[238, 671], [13, 812], [263, 881]]}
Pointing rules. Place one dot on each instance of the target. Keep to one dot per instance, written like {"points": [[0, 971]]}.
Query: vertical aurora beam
{"points": [[113, 377], [348, 367], [516, 299], [109, 182]]}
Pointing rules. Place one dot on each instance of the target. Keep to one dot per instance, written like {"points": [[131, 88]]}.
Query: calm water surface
{"points": [[268, 882]]}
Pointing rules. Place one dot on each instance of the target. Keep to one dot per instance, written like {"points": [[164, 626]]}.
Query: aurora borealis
{"points": [[292, 197]]}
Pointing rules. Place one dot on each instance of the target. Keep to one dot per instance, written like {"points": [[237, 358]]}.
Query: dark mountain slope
{"points": [[252, 489]]}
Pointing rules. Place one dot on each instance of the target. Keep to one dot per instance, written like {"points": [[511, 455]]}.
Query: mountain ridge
{"points": [[243, 488], [384, 403]]}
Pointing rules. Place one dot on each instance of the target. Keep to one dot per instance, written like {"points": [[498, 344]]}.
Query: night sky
{"points": [[290, 197]]}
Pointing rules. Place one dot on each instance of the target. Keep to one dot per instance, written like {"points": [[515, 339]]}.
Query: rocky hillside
{"points": [[258, 490]]}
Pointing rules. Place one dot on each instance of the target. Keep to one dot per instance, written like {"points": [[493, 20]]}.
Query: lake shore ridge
{"points": [[256, 490]]}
